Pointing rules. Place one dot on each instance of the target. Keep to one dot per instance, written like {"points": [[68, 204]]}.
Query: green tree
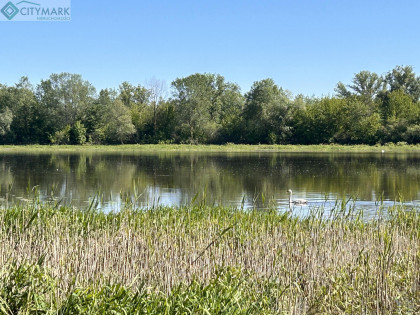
{"points": [[360, 122], [404, 79], [64, 99], [157, 92], [231, 121], [73, 93], [97, 115], [6, 118], [137, 99], [132, 95], [50, 112], [27, 123], [319, 122], [192, 101], [366, 84], [266, 113], [166, 123], [202, 102], [119, 127], [399, 105], [399, 112], [6, 114]]}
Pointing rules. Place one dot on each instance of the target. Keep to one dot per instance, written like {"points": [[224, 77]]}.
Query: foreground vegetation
{"points": [[207, 260], [206, 109]]}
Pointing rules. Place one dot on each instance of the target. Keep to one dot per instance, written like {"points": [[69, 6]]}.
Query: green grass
{"points": [[212, 148], [207, 260]]}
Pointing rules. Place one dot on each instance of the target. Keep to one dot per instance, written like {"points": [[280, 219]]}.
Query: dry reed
{"points": [[249, 261]]}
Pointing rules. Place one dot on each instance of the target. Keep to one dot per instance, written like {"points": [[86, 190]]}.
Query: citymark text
{"points": [[44, 11]]}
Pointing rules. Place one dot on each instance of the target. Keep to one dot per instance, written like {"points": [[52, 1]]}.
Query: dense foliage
{"points": [[204, 108]]}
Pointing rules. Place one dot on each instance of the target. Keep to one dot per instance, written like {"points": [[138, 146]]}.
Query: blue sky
{"points": [[305, 46]]}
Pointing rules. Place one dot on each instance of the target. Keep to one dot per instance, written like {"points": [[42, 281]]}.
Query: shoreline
{"points": [[333, 148]]}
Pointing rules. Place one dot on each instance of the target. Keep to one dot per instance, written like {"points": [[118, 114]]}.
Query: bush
{"points": [[412, 134], [77, 133], [62, 136]]}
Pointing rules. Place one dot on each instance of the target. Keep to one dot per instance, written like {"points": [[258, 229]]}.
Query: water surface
{"points": [[242, 179]]}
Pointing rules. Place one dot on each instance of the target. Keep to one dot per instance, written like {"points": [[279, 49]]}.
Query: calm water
{"points": [[248, 179]]}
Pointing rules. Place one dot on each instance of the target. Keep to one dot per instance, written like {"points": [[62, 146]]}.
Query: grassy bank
{"points": [[201, 260], [211, 148]]}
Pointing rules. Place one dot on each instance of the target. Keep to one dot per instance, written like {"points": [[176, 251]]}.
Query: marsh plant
{"points": [[203, 259]]}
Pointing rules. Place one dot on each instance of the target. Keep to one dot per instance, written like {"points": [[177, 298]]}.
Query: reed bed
{"points": [[208, 260]]}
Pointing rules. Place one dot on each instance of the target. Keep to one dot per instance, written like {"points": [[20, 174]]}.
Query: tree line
{"points": [[205, 108]]}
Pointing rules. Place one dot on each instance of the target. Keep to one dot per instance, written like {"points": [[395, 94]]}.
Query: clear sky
{"points": [[305, 46]]}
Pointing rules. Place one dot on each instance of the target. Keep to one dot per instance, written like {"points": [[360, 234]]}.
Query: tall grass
{"points": [[207, 260]]}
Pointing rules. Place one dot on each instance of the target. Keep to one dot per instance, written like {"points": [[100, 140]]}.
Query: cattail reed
{"points": [[203, 259]]}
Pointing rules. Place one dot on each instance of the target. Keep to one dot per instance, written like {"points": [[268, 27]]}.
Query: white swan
{"points": [[296, 201]]}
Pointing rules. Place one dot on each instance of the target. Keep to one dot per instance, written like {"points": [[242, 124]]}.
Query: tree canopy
{"points": [[206, 108]]}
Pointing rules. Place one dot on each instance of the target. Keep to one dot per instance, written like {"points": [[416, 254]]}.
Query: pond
{"points": [[246, 180]]}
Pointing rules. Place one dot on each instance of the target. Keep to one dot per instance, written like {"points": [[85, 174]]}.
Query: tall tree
{"points": [[73, 93], [320, 122], [166, 122], [366, 84], [157, 90], [399, 105], [136, 99], [26, 122], [231, 114], [404, 79], [359, 122], [132, 95], [201, 101], [6, 118], [6, 115], [64, 99], [266, 113], [119, 126]]}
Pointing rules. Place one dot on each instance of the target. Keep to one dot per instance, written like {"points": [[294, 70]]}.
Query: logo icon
{"points": [[9, 10]]}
